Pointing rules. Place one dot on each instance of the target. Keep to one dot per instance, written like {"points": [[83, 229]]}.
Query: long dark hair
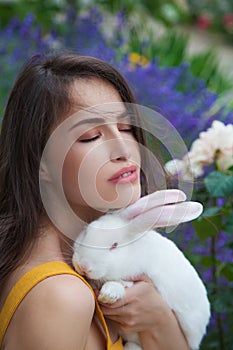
{"points": [[39, 97]]}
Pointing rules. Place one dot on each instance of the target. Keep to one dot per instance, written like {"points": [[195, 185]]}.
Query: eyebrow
{"points": [[98, 120]]}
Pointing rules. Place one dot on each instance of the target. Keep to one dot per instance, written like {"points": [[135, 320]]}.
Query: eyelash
{"points": [[97, 136], [91, 139]]}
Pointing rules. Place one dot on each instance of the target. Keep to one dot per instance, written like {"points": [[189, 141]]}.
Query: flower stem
{"points": [[215, 280]]}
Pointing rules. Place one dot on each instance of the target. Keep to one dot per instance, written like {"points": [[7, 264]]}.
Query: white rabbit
{"points": [[121, 245]]}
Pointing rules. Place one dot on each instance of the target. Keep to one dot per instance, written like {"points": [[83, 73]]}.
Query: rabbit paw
{"points": [[110, 292]]}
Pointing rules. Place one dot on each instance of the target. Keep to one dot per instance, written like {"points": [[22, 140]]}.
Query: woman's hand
{"points": [[138, 310], [142, 310]]}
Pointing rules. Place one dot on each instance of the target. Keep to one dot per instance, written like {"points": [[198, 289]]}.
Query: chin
{"points": [[121, 197], [136, 194], [126, 199]]}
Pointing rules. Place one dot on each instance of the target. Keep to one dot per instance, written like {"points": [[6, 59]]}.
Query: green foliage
{"points": [[217, 218], [205, 65], [45, 11], [217, 15], [170, 49], [219, 184], [208, 225], [119, 5]]}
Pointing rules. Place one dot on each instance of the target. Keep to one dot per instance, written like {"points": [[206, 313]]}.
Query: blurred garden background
{"points": [[178, 57]]}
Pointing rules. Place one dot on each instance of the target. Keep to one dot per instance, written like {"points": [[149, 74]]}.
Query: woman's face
{"points": [[102, 168]]}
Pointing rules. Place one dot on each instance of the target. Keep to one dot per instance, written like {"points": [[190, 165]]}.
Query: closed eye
{"points": [[125, 127], [91, 139], [126, 130], [122, 127]]}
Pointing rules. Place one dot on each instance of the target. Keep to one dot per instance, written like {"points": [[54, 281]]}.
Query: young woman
{"points": [[45, 304]]}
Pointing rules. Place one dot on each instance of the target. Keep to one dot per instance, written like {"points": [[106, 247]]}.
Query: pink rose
{"points": [[204, 21]]}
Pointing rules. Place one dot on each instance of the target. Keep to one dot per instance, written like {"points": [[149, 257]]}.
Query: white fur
{"points": [[97, 257]]}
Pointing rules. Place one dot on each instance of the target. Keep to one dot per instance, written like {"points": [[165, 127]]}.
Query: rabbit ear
{"points": [[153, 200], [160, 210], [166, 216]]}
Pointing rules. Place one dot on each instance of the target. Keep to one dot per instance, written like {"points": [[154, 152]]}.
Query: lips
{"points": [[125, 175]]}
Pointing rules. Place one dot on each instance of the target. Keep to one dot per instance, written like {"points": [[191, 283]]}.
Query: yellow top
{"points": [[33, 277]]}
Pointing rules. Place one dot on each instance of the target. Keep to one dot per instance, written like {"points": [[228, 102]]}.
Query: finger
{"points": [[121, 303], [140, 278], [127, 322], [107, 311]]}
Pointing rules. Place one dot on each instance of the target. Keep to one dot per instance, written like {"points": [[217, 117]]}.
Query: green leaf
{"points": [[206, 261], [219, 184], [229, 245], [209, 223], [211, 211], [231, 168], [227, 271], [223, 303], [206, 227], [229, 225]]}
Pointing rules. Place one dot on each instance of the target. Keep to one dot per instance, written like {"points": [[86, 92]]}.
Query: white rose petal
{"points": [[224, 162], [180, 168], [175, 166], [213, 145]]}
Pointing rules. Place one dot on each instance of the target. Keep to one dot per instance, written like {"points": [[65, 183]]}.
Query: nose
{"points": [[120, 148]]}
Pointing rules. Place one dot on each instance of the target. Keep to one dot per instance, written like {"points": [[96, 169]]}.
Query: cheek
{"points": [[81, 170], [136, 153], [70, 171]]}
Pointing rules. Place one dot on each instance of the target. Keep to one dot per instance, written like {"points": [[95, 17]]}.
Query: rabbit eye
{"points": [[113, 246]]}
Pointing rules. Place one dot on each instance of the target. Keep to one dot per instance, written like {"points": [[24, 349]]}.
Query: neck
{"points": [[50, 245]]}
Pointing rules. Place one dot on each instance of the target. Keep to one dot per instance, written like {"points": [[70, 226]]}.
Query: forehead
{"points": [[93, 91], [95, 101]]}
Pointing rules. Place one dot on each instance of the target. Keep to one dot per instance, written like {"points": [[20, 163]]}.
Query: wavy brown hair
{"points": [[39, 98]]}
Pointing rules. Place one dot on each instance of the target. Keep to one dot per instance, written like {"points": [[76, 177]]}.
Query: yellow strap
{"points": [[28, 281]]}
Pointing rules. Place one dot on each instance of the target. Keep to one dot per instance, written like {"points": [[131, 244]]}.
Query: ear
{"points": [[161, 209], [153, 200], [166, 216]]}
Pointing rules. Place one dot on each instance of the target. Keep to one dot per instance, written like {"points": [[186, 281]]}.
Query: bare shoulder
{"points": [[67, 290], [56, 314]]}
